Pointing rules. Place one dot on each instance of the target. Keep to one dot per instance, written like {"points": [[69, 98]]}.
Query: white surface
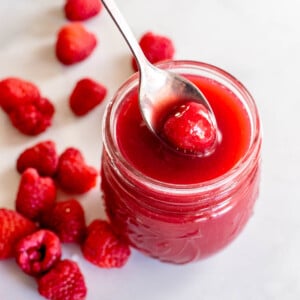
{"points": [[259, 43]]}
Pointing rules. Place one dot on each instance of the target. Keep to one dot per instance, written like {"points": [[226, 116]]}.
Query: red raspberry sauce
{"points": [[149, 156]]}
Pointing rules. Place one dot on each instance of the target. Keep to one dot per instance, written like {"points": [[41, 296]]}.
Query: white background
{"points": [[258, 41]]}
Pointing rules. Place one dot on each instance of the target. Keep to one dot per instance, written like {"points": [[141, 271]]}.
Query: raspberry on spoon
{"points": [[189, 129]]}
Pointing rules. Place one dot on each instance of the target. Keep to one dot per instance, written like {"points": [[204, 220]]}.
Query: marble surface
{"points": [[259, 43]]}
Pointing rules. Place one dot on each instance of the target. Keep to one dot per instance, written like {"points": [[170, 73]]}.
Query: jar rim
{"points": [[205, 186]]}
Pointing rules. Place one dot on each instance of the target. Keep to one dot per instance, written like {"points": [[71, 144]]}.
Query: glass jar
{"points": [[180, 223]]}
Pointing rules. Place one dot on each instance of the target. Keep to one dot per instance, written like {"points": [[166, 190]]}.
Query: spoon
{"points": [[159, 89]]}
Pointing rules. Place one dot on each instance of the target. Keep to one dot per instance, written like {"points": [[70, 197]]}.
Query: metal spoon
{"points": [[157, 88]]}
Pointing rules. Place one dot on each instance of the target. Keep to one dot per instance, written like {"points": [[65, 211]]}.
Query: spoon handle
{"points": [[126, 31]]}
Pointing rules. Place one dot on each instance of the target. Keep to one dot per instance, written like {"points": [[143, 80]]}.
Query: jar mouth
{"points": [[187, 67]]}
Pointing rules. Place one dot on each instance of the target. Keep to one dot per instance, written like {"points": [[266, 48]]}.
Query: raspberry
{"points": [[33, 118], [189, 129], [86, 95], [15, 92], [63, 282], [30, 113], [156, 48], [81, 10], [74, 43], [73, 175], [103, 248], [36, 195], [67, 220], [38, 252], [13, 227], [42, 156]]}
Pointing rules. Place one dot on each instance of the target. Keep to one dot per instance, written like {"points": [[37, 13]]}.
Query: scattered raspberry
{"points": [[73, 175], [30, 113], [86, 95], [156, 48], [13, 227], [74, 43], [38, 252], [189, 129], [67, 220], [33, 118], [15, 92], [81, 10], [63, 282], [103, 248], [36, 195], [42, 156]]}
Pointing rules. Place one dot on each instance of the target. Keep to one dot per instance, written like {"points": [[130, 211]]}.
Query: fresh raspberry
{"points": [[156, 48], [43, 157], [67, 220], [73, 175], [74, 43], [81, 10], [86, 95], [13, 227], [189, 129], [103, 248], [63, 282], [38, 252], [33, 118], [36, 195], [15, 92]]}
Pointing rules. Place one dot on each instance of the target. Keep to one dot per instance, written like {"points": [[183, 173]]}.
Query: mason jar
{"points": [[178, 221]]}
